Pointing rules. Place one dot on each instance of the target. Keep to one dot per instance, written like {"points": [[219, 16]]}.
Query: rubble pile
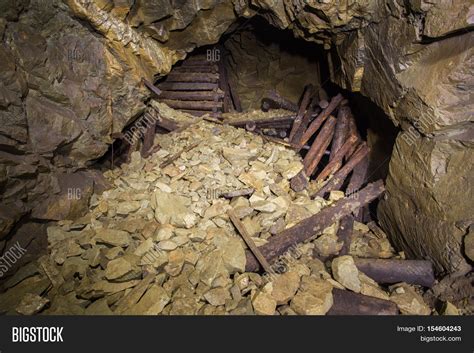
{"points": [[160, 241]]}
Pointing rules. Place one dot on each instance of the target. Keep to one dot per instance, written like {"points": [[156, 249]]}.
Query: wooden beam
{"points": [[307, 228], [316, 123], [308, 93], [248, 240], [350, 303], [187, 86], [389, 271], [338, 179]]}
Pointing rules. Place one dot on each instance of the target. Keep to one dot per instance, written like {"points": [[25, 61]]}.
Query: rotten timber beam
{"points": [[316, 123], [307, 228], [389, 271], [350, 303]]}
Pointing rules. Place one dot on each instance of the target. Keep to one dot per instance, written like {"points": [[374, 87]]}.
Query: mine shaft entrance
{"points": [[268, 82]]}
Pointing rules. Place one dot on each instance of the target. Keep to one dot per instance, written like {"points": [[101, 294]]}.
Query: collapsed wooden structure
{"points": [[335, 157]]}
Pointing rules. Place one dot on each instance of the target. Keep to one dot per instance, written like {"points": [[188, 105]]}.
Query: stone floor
{"points": [[160, 240]]}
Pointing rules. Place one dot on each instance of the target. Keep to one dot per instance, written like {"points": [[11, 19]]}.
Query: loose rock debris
{"points": [[160, 241]]}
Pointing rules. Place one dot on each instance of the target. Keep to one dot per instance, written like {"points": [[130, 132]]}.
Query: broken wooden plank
{"points": [[192, 96], [338, 179], [148, 139], [379, 233], [322, 141], [345, 232], [164, 123], [200, 113], [280, 122], [304, 123], [341, 131], [192, 105], [316, 123], [152, 87], [389, 271], [307, 95], [248, 240], [233, 93], [356, 181], [273, 100], [350, 303], [334, 165], [307, 228], [187, 86]]}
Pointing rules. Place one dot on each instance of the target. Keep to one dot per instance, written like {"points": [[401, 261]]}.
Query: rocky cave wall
{"points": [[262, 58], [71, 75]]}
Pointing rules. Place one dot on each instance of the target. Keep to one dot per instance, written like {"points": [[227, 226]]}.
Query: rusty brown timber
{"points": [[316, 123], [192, 96], [307, 95], [151, 87], [322, 141], [350, 303], [304, 230], [187, 86], [338, 179], [273, 100], [336, 162], [342, 130], [312, 111], [192, 105], [284, 121], [389, 271], [344, 233]]}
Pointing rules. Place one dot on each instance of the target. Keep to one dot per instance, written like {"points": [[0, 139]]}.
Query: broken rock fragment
{"points": [[346, 273]]}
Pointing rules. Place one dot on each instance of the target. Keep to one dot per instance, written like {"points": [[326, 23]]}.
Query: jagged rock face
{"points": [[262, 58], [422, 78], [68, 85]]}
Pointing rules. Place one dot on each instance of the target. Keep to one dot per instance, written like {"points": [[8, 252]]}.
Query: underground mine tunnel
{"points": [[190, 161]]}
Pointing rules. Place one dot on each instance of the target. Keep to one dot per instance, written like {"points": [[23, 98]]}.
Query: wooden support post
{"points": [[341, 131], [308, 93], [334, 165], [316, 123], [338, 179], [304, 124], [322, 141], [307, 228]]}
